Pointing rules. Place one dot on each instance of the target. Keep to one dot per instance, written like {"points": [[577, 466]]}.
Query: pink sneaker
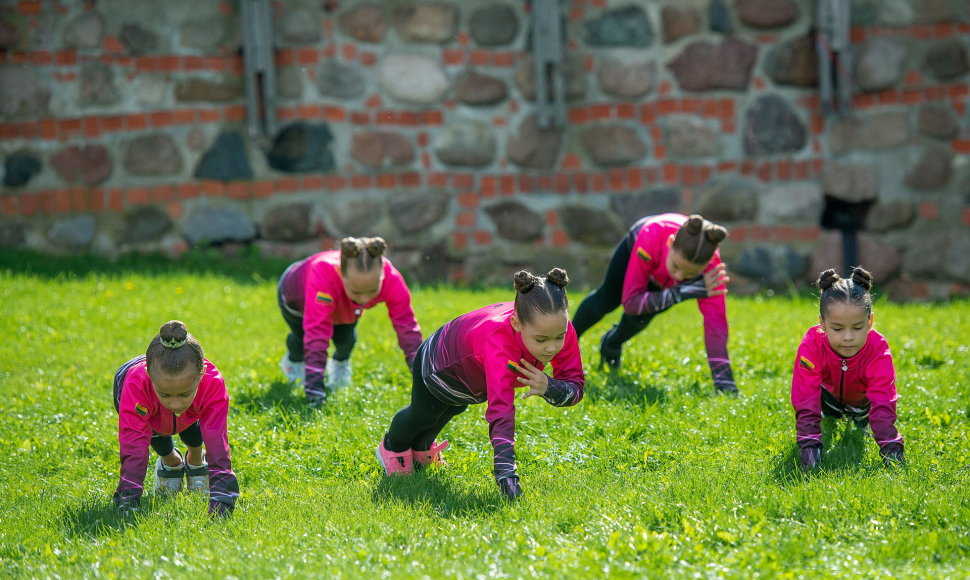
{"points": [[431, 456], [395, 463]]}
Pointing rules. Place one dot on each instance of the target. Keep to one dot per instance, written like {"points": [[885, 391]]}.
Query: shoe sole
{"points": [[377, 453], [204, 486]]}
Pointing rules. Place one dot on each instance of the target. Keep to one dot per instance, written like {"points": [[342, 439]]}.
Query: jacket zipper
{"points": [[842, 381]]}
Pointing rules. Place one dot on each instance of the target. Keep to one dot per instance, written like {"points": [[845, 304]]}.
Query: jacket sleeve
{"points": [[881, 393], [134, 436], [402, 314], [320, 297], [566, 385], [223, 485], [806, 397], [714, 311], [636, 298], [500, 414]]}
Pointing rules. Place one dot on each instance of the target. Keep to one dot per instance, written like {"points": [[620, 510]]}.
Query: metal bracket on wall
{"points": [[832, 44], [259, 68], [547, 56]]}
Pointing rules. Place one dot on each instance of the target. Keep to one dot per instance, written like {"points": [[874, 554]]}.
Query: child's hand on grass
{"points": [[128, 509], [510, 487], [219, 510], [811, 458], [894, 459]]}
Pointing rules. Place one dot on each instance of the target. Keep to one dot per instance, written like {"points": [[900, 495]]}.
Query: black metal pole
{"points": [[850, 249]]}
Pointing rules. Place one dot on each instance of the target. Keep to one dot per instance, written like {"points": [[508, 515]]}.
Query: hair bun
{"points": [[826, 279], [716, 233], [350, 247], [558, 276], [375, 246], [173, 330], [862, 277], [524, 280], [173, 334], [694, 224]]}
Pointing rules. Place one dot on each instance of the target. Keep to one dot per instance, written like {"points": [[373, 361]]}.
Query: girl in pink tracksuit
{"points": [[844, 369], [322, 298], [663, 260], [173, 389], [482, 357]]}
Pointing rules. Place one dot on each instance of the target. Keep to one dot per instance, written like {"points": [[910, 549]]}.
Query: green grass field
{"points": [[651, 475]]}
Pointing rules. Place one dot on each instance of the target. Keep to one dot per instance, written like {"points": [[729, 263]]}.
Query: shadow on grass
{"points": [[280, 395], [243, 265], [284, 399], [786, 469], [845, 447], [627, 387], [94, 518], [437, 491]]}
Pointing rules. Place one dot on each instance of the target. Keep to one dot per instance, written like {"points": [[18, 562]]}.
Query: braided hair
{"points": [[540, 294], [364, 253], [697, 239], [852, 290]]}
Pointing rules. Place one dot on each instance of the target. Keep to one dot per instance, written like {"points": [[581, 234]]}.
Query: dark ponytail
{"points": [[852, 290], [540, 294], [173, 350], [364, 253], [697, 239]]}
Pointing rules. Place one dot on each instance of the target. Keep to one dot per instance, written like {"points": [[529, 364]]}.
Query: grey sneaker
{"points": [[293, 371], [168, 479], [197, 477], [338, 373]]}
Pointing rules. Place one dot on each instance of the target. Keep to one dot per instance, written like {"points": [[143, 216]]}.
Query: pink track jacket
{"points": [[648, 263], [314, 287], [140, 414], [869, 375], [467, 361]]}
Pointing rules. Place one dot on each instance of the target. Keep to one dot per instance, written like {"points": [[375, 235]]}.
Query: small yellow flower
{"points": [[129, 286]]}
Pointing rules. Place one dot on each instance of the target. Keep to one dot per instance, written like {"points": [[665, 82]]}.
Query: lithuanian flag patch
{"points": [[512, 367], [324, 298], [806, 363], [643, 255], [141, 409]]}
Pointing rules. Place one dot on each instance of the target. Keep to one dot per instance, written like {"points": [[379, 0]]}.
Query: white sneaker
{"points": [[197, 478], [293, 371], [338, 373], [168, 479]]}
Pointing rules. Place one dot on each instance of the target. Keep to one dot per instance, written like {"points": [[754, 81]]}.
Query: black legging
{"points": [[165, 444], [608, 296], [417, 425], [344, 335], [162, 444], [831, 407]]}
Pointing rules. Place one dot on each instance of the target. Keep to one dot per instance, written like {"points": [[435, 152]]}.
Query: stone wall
{"points": [[123, 129]]}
